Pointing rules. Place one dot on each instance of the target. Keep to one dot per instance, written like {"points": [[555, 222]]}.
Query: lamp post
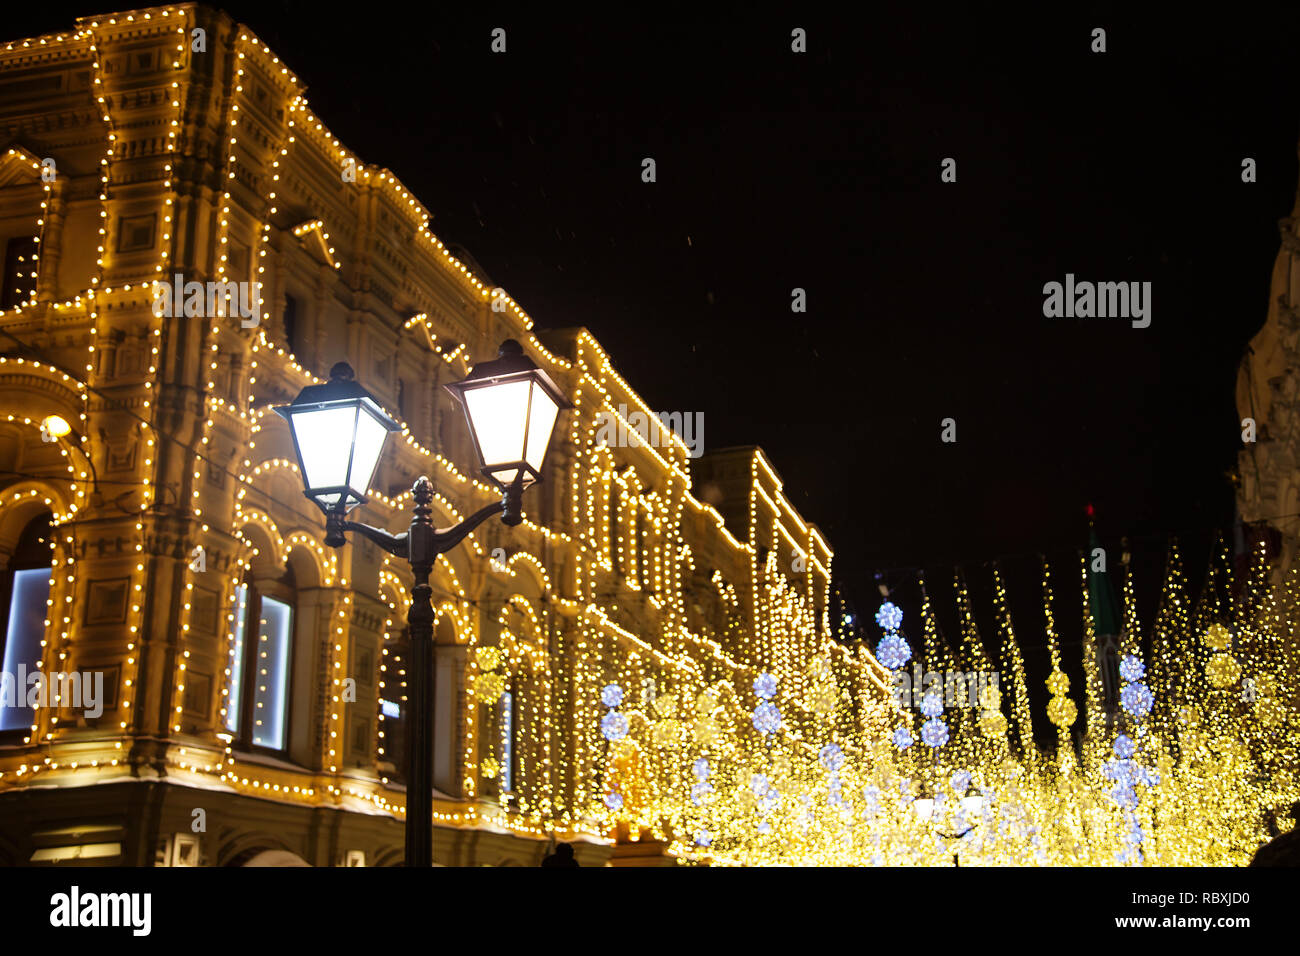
{"points": [[925, 806], [339, 431]]}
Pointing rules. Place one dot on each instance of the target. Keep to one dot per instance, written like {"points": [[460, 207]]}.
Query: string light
{"points": [[638, 584]]}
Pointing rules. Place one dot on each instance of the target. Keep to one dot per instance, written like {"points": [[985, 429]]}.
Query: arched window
{"points": [[258, 709], [19, 281], [448, 705], [291, 330], [639, 515], [615, 529], [26, 591], [506, 718], [394, 707]]}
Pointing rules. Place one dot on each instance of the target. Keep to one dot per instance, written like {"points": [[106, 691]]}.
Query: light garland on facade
{"points": [[611, 601]]}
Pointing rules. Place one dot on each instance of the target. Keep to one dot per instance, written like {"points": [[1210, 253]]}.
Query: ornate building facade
{"points": [[154, 534], [1268, 396]]}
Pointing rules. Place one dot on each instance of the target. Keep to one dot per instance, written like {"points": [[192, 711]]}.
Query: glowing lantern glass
{"points": [[511, 406], [338, 434]]}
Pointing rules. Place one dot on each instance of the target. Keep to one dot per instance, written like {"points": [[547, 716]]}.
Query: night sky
{"points": [[821, 171]]}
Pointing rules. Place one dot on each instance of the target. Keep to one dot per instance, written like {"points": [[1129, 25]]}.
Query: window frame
{"points": [[14, 247], [20, 562], [399, 648], [255, 591], [509, 762]]}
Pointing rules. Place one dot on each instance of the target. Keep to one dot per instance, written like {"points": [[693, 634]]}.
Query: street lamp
{"points": [[511, 406], [339, 432], [925, 807]]}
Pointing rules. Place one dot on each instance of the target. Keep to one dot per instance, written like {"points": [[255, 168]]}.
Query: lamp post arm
{"points": [[394, 544], [428, 542], [441, 541], [444, 541], [956, 836]]}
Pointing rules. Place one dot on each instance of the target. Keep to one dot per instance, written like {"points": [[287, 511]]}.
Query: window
{"points": [[258, 707], [615, 529], [394, 708], [507, 723], [19, 279], [291, 324], [638, 553], [27, 589]]}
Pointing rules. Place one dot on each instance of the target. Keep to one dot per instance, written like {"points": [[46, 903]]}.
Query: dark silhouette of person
{"points": [[563, 856], [1284, 849]]}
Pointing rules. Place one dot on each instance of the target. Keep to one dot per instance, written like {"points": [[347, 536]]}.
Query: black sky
{"points": [[821, 171]]}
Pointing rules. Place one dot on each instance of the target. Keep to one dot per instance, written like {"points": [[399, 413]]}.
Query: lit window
{"points": [[507, 742], [233, 706], [28, 586], [18, 281], [271, 683], [257, 711], [393, 708], [31, 589]]}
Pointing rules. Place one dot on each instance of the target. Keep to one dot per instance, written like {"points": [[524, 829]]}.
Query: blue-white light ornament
{"points": [[1125, 796], [893, 651], [934, 733], [871, 799], [767, 719], [889, 616], [1131, 668], [831, 757], [1136, 699], [700, 768], [614, 726], [765, 686], [611, 695]]}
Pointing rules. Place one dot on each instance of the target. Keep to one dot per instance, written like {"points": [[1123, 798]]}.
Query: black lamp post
{"points": [[925, 807], [338, 434]]}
